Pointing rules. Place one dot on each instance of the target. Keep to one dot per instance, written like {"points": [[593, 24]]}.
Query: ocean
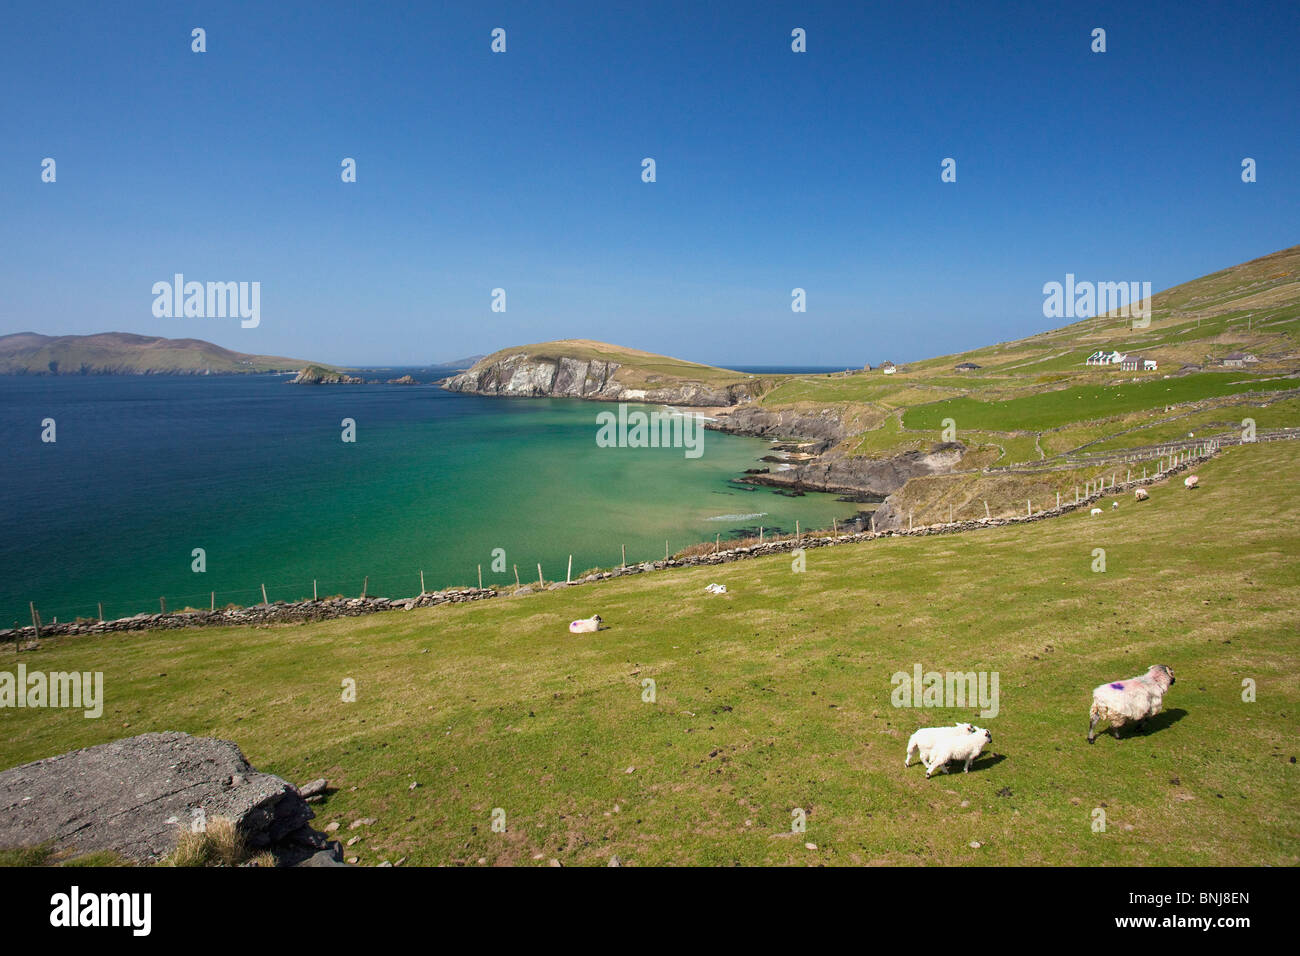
{"points": [[145, 470]]}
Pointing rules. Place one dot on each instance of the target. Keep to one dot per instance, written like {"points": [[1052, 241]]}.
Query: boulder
{"points": [[133, 796]]}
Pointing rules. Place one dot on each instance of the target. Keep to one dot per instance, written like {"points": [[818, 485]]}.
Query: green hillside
{"points": [[1034, 401]]}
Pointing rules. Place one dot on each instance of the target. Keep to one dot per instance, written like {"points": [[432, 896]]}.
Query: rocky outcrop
{"points": [[867, 479], [404, 380], [134, 796], [520, 375], [824, 425]]}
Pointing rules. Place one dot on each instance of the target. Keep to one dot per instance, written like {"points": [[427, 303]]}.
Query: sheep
{"points": [[1114, 505], [924, 740], [1095, 511], [958, 747], [1191, 481], [585, 625], [1130, 701], [1141, 494]]}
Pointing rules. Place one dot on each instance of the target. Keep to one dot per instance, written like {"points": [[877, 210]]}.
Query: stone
{"points": [[120, 796], [314, 788]]}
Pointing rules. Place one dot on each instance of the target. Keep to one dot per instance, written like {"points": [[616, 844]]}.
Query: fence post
{"points": [[568, 575], [101, 611], [162, 605], [986, 511], [421, 581], [540, 582], [365, 586], [212, 604], [264, 600], [36, 622], [480, 573], [516, 575], [313, 589]]}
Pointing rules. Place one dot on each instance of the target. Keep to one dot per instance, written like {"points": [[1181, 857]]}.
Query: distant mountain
{"points": [[122, 353]]}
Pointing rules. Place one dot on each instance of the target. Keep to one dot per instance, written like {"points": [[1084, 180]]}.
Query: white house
{"points": [[1105, 358], [888, 368]]}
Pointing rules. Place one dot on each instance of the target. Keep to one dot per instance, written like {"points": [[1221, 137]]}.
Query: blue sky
{"points": [[522, 170]]}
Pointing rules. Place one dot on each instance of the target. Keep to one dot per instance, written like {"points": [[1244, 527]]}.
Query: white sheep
{"points": [[1114, 505], [585, 625], [1095, 511], [1191, 481], [1130, 701], [958, 747], [922, 743], [1140, 494]]}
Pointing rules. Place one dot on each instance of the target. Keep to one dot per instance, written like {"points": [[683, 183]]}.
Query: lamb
{"points": [[958, 747], [1130, 701], [587, 625], [1191, 481], [1140, 494], [923, 742], [1095, 511]]}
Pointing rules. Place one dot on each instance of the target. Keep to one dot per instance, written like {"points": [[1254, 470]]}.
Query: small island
{"points": [[319, 375]]}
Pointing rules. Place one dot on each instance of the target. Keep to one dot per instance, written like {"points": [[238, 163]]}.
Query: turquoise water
{"points": [[253, 471]]}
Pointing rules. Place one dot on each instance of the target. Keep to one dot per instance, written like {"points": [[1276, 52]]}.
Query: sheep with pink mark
{"points": [[1130, 701]]}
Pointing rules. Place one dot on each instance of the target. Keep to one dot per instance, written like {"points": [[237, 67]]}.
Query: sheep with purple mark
{"points": [[1130, 701]]}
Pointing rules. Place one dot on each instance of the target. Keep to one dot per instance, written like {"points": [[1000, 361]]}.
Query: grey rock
{"points": [[120, 796], [315, 787]]}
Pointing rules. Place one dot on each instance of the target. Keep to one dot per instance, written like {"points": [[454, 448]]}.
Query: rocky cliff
{"points": [[518, 374]]}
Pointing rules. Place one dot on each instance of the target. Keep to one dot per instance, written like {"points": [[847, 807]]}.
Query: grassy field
{"points": [[776, 696]]}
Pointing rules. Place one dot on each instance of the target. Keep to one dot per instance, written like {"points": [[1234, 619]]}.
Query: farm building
{"points": [[966, 367], [1239, 359], [888, 368]]}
